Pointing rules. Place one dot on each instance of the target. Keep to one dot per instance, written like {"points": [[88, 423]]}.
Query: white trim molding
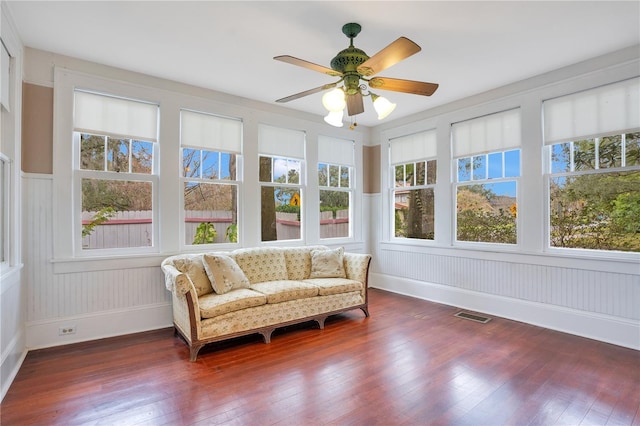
{"points": [[606, 328], [98, 325]]}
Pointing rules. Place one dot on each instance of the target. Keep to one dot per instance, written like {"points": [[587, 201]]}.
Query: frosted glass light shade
{"points": [[334, 118], [383, 107], [334, 100]]}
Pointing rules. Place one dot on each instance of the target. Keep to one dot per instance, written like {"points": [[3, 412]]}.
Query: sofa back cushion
{"points": [[224, 273], [327, 263], [193, 267], [262, 264], [298, 261]]}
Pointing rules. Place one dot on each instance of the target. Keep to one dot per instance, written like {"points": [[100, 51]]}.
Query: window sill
{"points": [[106, 263]]}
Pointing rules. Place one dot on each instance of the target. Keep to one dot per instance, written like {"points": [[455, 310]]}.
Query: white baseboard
{"points": [[44, 334], [605, 328], [12, 358]]}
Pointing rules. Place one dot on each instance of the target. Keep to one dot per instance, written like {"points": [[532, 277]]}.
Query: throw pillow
{"points": [[194, 269], [327, 263], [224, 273]]}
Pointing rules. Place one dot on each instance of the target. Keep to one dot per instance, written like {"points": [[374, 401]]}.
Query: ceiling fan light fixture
{"points": [[382, 106], [334, 100], [334, 118]]}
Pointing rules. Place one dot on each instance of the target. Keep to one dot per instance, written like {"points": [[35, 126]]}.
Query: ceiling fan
{"points": [[356, 71]]}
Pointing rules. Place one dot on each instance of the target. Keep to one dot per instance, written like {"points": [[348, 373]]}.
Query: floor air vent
{"points": [[473, 317]]}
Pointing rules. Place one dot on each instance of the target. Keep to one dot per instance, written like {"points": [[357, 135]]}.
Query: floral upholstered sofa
{"points": [[218, 296]]}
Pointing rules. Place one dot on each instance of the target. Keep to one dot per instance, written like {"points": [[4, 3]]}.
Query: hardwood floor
{"points": [[411, 363]]}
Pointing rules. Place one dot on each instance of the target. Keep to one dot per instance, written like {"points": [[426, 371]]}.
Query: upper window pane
{"points": [[92, 152], [479, 167], [512, 163], [280, 170], [561, 157], [464, 169], [584, 154], [104, 153], [632, 149], [201, 164]]}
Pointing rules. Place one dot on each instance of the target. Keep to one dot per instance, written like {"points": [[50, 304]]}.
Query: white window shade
{"points": [[281, 142], [417, 146], [609, 109], [210, 132], [335, 151], [111, 116], [495, 132]]}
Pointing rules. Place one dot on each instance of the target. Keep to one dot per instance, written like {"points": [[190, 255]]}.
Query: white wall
{"points": [[12, 290], [592, 295], [106, 297]]}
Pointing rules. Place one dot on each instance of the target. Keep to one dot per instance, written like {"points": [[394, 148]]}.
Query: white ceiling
{"points": [[467, 47]]}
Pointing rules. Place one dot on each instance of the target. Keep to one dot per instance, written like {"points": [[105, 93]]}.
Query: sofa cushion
{"points": [[284, 290], [213, 305], [194, 269], [327, 263], [327, 286], [262, 264], [298, 261], [224, 273]]}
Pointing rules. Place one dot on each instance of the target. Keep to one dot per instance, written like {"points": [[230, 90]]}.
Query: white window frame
{"points": [[350, 190], [393, 189], [618, 105], [220, 147], [411, 147], [67, 174], [334, 151], [5, 211], [301, 186], [495, 132], [288, 144]]}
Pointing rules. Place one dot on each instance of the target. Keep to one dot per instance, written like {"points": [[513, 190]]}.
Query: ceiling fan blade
{"points": [[306, 64], [355, 105], [405, 86], [306, 93], [400, 49]]}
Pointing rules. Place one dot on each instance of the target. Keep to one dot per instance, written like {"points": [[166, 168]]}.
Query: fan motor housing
{"points": [[349, 59]]}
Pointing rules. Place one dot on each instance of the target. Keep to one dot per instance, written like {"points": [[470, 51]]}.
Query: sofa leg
{"points": [[366, 311], [193, 352], [266, 335], [320, 322]]}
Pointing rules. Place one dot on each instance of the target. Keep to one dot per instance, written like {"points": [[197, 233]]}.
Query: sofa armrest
{"points": [[186, 309], [175, 281], [356, 266]]}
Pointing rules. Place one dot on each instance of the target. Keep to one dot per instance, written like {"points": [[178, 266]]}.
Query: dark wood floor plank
{"points": [[411, 363]]}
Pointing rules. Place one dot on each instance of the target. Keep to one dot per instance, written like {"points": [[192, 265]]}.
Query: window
{"points": [[488, 171], [593, 168], [414, 169], [211, 148], [281, 182], [115, 172], [335, 180], [4, 209]]}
